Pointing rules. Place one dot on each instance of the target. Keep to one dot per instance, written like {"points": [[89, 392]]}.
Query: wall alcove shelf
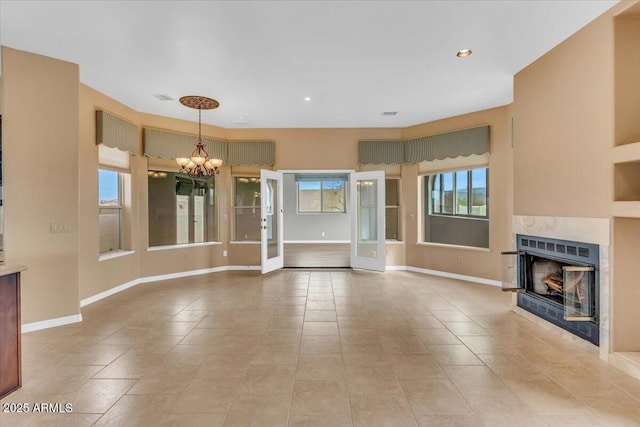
{"points": [[625, 209]]}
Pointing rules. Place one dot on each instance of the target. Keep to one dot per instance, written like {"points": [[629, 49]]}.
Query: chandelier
{"points": [[199, 165]]}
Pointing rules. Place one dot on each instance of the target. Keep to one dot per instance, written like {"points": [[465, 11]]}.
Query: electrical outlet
{"points": [[224, 253], [323, 234]]}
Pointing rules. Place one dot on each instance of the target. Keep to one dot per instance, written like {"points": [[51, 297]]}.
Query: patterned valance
{"points": [[115, 132], [251, 153], [447, 145], [171, 145], [435, 147], [377, 152]]}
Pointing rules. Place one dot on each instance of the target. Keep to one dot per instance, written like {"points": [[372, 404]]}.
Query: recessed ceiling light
{"points": [[389, 113], [307, 98], [464, 53]]}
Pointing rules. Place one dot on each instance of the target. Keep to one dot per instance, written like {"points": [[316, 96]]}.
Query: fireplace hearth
{"points": [[556, 280]]}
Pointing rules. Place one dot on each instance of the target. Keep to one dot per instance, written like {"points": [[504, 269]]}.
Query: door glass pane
{"points": [[248, 223], [198, 219], [272, 219], [182, 219], [367, 218], [462, 206]]}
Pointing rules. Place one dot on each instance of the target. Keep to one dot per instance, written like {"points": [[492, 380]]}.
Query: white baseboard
{"points": [[473, 279], [158, 278], [51, 323]]}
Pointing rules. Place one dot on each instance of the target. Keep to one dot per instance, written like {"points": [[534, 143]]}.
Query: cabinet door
{"points": [[10, 378]]}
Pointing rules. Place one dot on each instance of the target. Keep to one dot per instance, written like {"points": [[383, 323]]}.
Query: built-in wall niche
{"points": [[627, 181]]}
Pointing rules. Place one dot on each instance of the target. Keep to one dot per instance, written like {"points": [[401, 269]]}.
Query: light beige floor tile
{"points": [[320, 420], [276, 355], [446, 354], [373, 410], [476, 381], [320, 344], [225, 344], [321, 366], [98, 395], [207, 396], [267, 380], [436, 420], [286, 322], [372, 379], [281, 337], [437, 396], [62, 420], [272, 410], [412, 366], [320, 396], [402, 344], [320, 316], [136, 410], [320, 328]]}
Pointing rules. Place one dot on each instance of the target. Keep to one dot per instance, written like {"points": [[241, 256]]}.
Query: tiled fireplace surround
{"points": [[588, 230]]}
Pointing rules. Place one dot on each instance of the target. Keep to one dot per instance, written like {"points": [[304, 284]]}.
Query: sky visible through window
{"points": [[107, 186]]}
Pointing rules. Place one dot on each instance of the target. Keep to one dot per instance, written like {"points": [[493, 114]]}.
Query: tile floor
{"points": [[315, 348]]}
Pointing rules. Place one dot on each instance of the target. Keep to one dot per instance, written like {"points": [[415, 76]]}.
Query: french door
{"points": [[271, 231], [367, 220]]}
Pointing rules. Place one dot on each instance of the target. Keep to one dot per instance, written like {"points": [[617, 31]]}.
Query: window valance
{"points": [[435, 147], [115, 132], [251, 153], [447, 145], [171, 145], [376, 152]]}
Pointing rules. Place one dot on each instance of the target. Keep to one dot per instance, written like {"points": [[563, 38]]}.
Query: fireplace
{"points": [[556, 280]]}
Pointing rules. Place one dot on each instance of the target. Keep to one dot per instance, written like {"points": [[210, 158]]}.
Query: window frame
{"points": [[119, 207], [429, 182], [398, 207], [212, 198], [322, 211]]}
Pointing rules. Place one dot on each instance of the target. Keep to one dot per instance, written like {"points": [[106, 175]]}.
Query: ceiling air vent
{"points": [[162, 97], [389, 113]]}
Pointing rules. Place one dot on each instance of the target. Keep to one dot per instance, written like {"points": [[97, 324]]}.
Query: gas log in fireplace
{"points": [[556, 280]]}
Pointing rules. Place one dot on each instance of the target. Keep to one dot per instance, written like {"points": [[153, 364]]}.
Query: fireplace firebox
{"points": [[556, 280]]}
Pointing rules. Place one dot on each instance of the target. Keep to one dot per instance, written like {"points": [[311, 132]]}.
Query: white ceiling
{"points": [[260, 59]]}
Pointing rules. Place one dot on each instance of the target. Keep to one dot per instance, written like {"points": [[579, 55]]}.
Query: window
{"points": [[317, 195], [459, 193], [110, 189], [392, 208], [247, 208], [182, 209], [455, 208]]}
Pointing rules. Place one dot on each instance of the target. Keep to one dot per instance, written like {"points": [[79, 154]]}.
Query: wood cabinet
{"points": [[10, 350]]}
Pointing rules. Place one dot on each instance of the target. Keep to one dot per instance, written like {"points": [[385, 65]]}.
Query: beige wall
{"points": [[470, 262], [563, 108], [72, 143], [40, 159]]}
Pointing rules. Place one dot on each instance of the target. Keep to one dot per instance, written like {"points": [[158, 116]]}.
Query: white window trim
{"points": [[114, 254], [182, 246]]}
